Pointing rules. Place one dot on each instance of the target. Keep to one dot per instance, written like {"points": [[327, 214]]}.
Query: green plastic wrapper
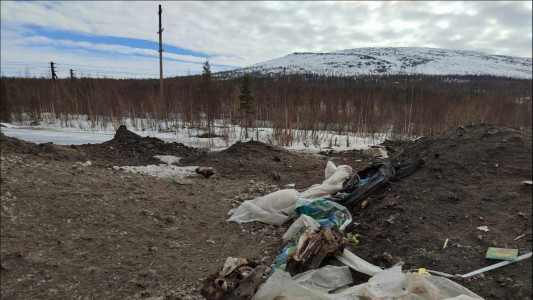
{"points": [[502, 253]]}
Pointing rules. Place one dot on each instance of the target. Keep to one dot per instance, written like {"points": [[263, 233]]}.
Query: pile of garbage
{"points": [[315, 263]]}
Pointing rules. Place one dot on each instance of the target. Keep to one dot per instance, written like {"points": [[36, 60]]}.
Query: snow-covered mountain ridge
{"points": [[401, 60]]}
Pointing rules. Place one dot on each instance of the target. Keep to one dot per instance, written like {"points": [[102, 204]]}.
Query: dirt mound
{"points": [[9, 145], [129, 148], [256, 160], [472, 177]]}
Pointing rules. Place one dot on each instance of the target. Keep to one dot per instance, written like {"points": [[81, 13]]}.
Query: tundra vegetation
{"points": [[294, 106]]}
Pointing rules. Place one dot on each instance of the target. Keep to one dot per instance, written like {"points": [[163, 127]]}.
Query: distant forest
{"points": [[401, 105]]}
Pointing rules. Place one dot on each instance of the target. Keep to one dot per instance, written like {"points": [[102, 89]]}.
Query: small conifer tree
{"points": [[246, 102], [245, 98], [205, 94]]}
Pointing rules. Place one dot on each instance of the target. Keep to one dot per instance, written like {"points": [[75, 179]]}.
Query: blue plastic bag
{"points": [[326, 213]]}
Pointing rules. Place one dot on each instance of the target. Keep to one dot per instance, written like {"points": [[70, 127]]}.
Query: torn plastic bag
{"points": [[273, 208], [359, 188], [380, 174], [358, 264], [325, 279], [330, 186], [392, 283], [387, 283], [325, 212], [281, 259], [299, 226], [450, 289], [281, 286], [330, 169]]}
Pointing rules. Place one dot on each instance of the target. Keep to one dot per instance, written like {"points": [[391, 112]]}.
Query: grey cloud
{"points": [[251, 31]]}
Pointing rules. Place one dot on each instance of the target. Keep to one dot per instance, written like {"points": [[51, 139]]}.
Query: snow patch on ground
{"points": [[160, 171], [167, 170], [79, 131]]}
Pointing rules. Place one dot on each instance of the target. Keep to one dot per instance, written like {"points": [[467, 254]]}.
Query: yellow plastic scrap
{"points": [[352, 238], [423, 271]]}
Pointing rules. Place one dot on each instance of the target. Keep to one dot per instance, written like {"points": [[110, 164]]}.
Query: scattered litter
{"points": [[325, 279], [502, 253], [317, 234], [483, 228], [519, 237], [326, 213], [392, 284], [495, 266], [210, 241], [527, 182], [232, 263], [364, 204], [330, 169], [313, 247], [331, 185], [273, 208], [379, 174], [303, 222], [423, 271], [358, 264], [205, 171], [85, 164], [352, 239], [522, 214], [281, 286], [238, 279]]}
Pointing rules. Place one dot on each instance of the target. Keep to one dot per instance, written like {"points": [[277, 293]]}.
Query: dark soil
{"points": [[256, 161], [128, 148], [472, 177], [73, 231]]}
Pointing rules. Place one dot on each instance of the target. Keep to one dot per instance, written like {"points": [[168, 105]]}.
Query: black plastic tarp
{"points": [[372, 179]]}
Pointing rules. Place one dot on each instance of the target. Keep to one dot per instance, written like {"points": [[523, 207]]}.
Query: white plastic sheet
{"points": [[358, 264], [330, 169], [303, 221], [325, 279], [392, 283], [281, 286], [273, 208], [387, 283], [330, 186]]}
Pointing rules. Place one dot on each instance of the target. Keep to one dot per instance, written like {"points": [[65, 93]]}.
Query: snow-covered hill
{"points": [[370, 61]]}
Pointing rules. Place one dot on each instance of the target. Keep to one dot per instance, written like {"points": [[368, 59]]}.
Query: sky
{"points": [[118, 39]]}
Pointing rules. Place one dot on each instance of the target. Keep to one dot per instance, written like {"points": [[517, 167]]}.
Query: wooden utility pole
{"points": [[53, 70], [160, 32]]}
